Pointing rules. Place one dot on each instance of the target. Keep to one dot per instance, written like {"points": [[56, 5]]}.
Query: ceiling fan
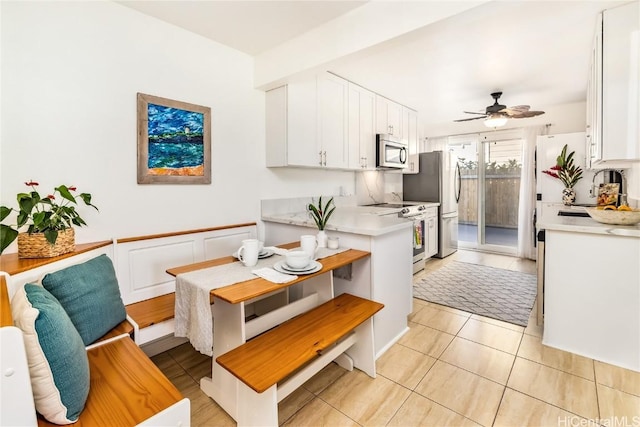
{"points": [[496, 115]]}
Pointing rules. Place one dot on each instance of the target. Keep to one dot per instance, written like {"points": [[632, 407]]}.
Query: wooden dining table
{"points": [[232, 328]]}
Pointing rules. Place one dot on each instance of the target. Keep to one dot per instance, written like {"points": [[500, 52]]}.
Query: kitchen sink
{"points": [[573, 213]]}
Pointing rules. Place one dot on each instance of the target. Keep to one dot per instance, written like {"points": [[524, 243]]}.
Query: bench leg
{"points": [[257, 409], [228, 334], [363, 351]]}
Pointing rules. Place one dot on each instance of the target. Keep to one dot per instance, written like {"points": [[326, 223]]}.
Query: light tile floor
{"points": [[452, 368]]}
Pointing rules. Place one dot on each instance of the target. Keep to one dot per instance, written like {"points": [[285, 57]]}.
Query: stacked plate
{"points": [[282, 267], [265, 253]]}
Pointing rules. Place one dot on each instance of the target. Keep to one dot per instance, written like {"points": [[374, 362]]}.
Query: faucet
{"points": [[623, 196]]}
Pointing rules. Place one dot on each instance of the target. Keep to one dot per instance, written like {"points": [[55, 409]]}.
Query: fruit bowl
{"points": [[614, 216]]}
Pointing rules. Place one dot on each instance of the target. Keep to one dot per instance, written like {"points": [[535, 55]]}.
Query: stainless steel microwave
{"points": [[391, 152]]}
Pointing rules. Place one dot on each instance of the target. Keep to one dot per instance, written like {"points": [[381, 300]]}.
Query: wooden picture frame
{"points": [[174, 141]]}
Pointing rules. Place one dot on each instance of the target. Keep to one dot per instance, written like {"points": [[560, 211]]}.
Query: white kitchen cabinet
{"points": [[388, 116], [431, 232], [362, 132], [333, 93], [306, 123], [291, 125], [410, 137], [613, 93], [591, 293]]}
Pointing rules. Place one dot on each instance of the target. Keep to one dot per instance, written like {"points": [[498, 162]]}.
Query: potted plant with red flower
{"points": [[568, 173], [49, 221]]}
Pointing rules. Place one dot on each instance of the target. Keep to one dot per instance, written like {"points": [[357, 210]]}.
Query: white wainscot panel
{"points": [[219, 246], [142, 267]]}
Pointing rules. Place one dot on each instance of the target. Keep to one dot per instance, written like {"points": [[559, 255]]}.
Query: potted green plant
{"points": [[49, 222], [568, 173], [321, 215]]}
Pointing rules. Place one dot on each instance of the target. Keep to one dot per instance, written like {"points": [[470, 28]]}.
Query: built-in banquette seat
{"points": [[104, 378]]}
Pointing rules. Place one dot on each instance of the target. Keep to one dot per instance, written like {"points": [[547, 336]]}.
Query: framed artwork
{"points": [[174, 142]]}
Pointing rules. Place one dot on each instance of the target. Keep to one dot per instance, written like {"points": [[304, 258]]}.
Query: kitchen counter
{"points": [[365, 220], [551, 221], [592, 288], [386, 276]]}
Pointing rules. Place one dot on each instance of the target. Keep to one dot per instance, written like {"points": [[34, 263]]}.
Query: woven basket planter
{"points": [[36, 246]]}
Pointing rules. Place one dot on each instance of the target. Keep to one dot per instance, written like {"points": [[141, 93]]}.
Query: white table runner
{"points": [[193, 317]]}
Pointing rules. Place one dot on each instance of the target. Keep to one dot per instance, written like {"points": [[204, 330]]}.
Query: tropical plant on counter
{"points": [[565, 170], [43, 214], [321, 214]]}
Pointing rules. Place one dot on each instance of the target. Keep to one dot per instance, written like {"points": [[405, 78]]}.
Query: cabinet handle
{"points": [[325, 159], [320, 153]]}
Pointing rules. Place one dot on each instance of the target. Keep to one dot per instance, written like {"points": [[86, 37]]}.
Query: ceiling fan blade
{"points": [[475, 112], [472, 118], [516, 109], [526, 114]]}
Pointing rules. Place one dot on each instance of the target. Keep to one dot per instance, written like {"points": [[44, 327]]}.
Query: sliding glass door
{"points": [[488, 207]]}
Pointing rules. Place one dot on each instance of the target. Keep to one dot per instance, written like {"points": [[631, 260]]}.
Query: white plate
{"points": [[313, 267], [308, 267], [266, 253]]}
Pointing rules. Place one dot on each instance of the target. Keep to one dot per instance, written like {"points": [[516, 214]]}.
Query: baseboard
{"points": [[384, 349], [162, 344]]}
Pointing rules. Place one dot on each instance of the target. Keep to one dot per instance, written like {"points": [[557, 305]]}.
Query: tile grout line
{"points": [[495, 416], [595, 380]]}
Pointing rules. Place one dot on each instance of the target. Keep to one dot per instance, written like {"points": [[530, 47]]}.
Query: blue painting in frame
{"points": [[174, 142]]}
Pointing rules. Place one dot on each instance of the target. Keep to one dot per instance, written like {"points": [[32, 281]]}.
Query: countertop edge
{"points": [[583, 225], [341, 228]]}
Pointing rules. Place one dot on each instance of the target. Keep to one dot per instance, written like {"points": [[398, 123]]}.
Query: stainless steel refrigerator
{"points": [[438, 181]]}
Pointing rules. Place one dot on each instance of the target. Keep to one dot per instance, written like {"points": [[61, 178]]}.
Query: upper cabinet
{"points": [[613, 94], [388, 116], [306, 123], [362, 132], [291, 126], [333, 93], [410, 136], [329, 122]]}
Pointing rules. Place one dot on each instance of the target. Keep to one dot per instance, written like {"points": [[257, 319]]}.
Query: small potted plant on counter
{"points": [[321, 215], [49, 222], [568, 173]]}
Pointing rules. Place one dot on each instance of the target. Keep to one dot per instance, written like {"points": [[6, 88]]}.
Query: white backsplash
{"points": [[299, 204], [378, 187]]}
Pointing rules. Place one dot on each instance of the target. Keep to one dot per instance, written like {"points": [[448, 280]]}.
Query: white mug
{"points": [[309, 244], [248, 252]]}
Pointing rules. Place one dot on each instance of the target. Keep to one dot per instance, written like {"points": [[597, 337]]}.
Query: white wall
{"points": [[70, 72]]}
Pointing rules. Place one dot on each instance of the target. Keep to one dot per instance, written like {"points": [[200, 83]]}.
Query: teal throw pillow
{"points": [[58, 364], [90, 294]]}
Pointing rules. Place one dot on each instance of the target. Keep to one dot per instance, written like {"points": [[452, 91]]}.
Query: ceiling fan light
{"points": [[495, 121]]}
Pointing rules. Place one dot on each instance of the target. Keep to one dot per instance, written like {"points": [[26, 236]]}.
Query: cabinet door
{"points": [[620, 91], [432, 237], [333, 117], [593, 138], [388, 116], [362, 136], [410, 136], [302, 131], [394, 118]]}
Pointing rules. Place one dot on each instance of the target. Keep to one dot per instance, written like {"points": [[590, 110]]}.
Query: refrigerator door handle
{"points": [[458, 181], [450, 215]]}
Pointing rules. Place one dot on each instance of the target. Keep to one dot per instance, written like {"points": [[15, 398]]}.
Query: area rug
{"points": [[487, 291]]}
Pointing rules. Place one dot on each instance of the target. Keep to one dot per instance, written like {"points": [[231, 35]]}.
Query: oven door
{"points": [[419, 223]]}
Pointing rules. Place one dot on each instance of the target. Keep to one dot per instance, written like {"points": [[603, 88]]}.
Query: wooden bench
{"points": [[274, 364], [127, 388]]}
